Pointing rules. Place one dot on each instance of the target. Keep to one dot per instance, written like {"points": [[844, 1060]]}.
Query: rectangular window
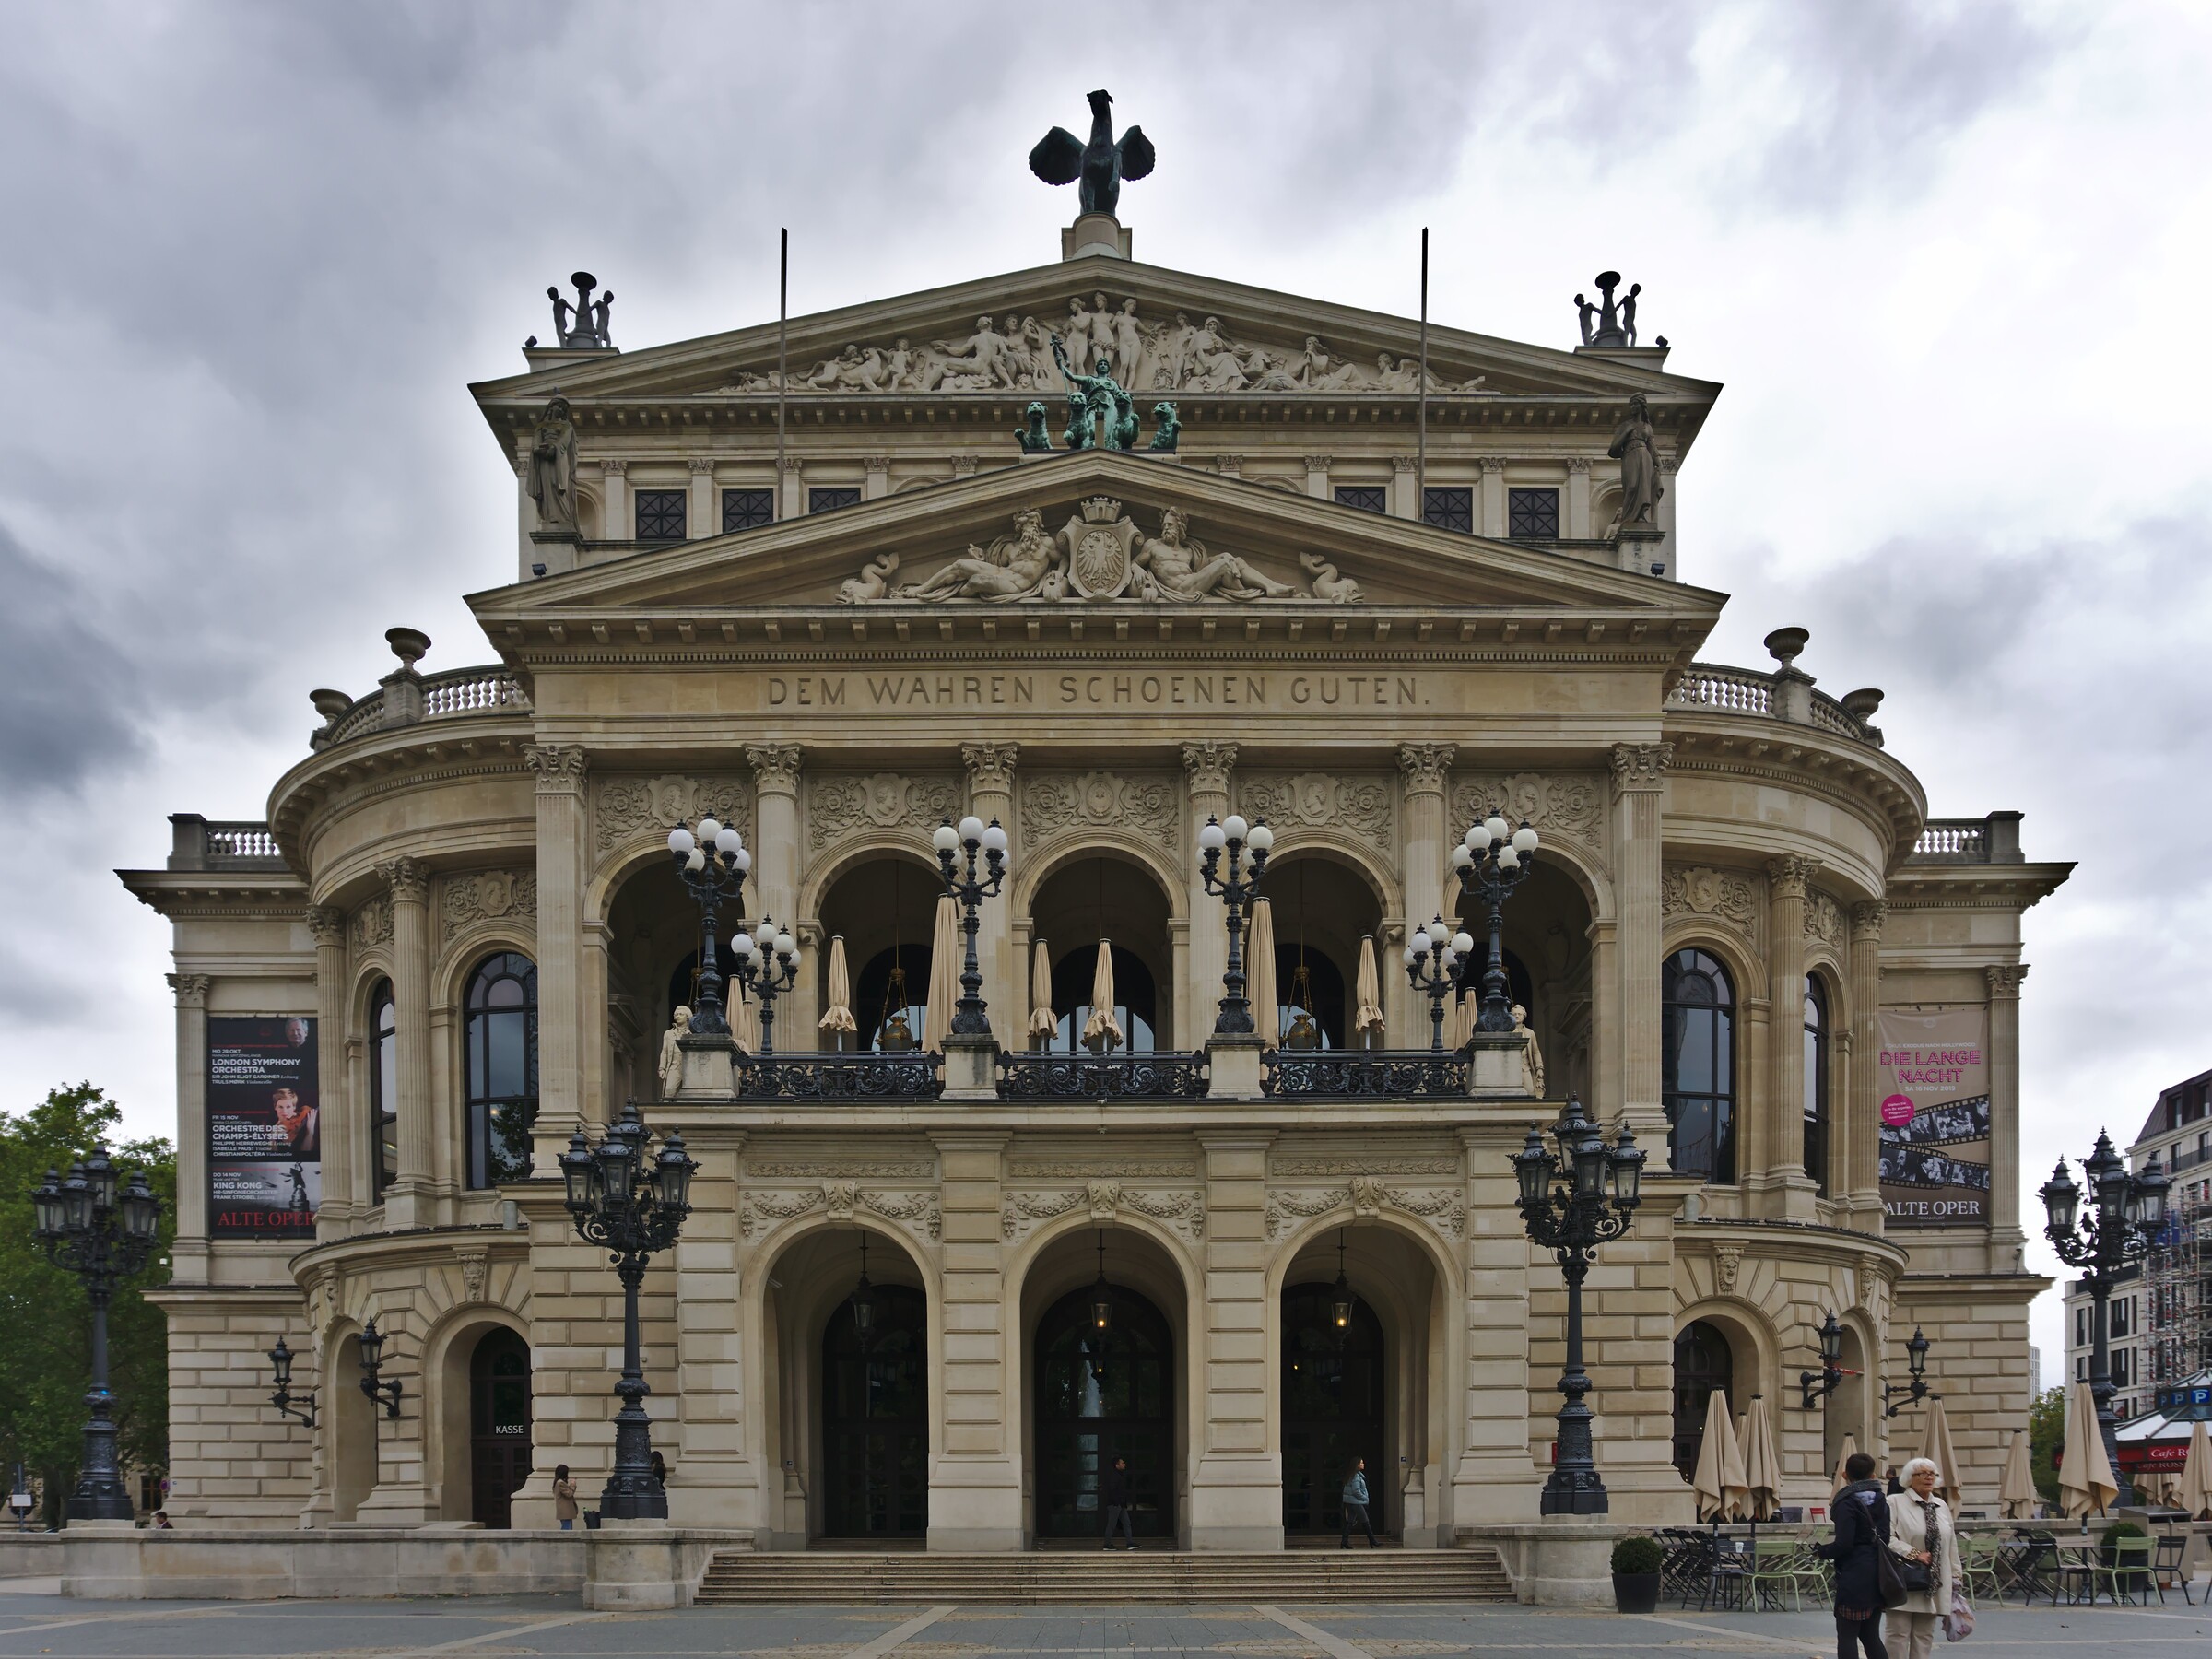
{"points": [[2081, 1327], [1533, 513], [830, 501], [1363, 498], [748, 509], [1450, 508], [661, 514]]}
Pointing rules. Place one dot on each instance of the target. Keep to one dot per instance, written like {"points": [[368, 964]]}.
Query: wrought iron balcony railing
{"points": [[1062, 1076], [911, 1077], [1363, 1074]]}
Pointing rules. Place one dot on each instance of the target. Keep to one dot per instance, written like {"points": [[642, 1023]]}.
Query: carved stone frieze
{"points": [[1366, 1196], [1019, 1208], [487, 895], [839, 804], [886, 1169], [920, 1211], [1824, 920], [373, 923], [842, 1199], [1364, 805], [1052, 802], [1103, 1199], [757, 1209], [1728, 895], [1125, 1168], [1562, 807], [626, 806], [1292, 1169]]}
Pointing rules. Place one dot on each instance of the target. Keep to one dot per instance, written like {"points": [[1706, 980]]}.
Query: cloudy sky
{"points": [[1947, 258]]}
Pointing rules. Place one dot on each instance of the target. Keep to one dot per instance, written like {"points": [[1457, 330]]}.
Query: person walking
{"points": [[564, 1498], [1921, 1530], [1354, 1496], [1114, 1491], [1861, 1511]]}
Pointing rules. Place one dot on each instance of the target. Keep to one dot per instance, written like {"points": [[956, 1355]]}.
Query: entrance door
{"points": [[1702, 1363], [1332, 1383], [876, 1419], [1103, 1395], [498, 1415]]}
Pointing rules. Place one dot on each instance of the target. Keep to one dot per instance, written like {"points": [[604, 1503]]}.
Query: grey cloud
{"points": [[71, 698]]}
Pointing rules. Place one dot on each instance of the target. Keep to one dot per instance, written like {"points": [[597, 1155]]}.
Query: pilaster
{"points": [[617, 523], [341, 1126], [562, 862], [700, 520], [1236, 1474], [1858, 1155], [1776, 1169], [189, 1255], [1317, 478], [1639, 780], [410, 1201], [1578, 497], [1208, 767], [1006, 987], [976, 1479], [1404, 487], [2004, 1236], [1426, 768], [1493, 520], [877, 482], [791, 501]]}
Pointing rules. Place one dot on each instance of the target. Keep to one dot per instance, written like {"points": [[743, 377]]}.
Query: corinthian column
{"points": [[410, 1201], [1006, 987], [1207, 768], [333, 1101], [1775, 1159], [775, 882], [1856, 1162], [559, 769], [1426, 766], [2003, 982], [1639, 777], [190, 1255]]}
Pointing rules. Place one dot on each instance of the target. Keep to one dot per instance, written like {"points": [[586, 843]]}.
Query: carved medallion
{"points": [[1056, 801], [1099, 550], [836, 804], [628, 806]]}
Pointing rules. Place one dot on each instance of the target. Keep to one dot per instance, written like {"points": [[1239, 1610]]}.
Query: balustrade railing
{"points": [[909, 1076], [457, 691], [1062, 1076], [1738, 691], [1363, 1074], [1952, 841]]}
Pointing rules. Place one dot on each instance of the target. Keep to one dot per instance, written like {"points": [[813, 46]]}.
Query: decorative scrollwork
{"points": [[1030, 1207], [919, 1208], [837, 805], [1364, 805], [1053, 800], [760, 1208], [626, 806], [1371, 1074], [1048, 1077], [912, 1076]]}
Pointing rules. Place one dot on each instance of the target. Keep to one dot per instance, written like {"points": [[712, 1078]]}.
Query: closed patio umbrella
{"points": [[2196, 1474], [839, 1020], [1850, 1451], [744, 1020], [1101, 1031], [1259, 973], [1762, 1468], [1937, 1447], [1043, 1023], [1459, 1026], [1717, 1486], [945, 961], [2015, 1490], [2084, 1478], [1367, 1017]]}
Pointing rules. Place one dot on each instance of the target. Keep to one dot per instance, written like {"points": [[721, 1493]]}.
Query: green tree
{"points": [[46, 1357], [2046, 1428]]}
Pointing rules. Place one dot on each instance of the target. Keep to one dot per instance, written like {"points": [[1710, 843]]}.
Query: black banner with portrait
{"points": [[264, 1135]]}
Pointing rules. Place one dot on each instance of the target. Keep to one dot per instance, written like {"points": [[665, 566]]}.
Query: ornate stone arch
{"points": [[1031, 874], [836, 862]]}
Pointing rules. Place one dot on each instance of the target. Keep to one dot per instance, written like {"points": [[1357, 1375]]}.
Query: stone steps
{"points": [[1096, 1578]]}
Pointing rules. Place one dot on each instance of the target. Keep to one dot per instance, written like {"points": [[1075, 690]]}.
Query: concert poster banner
{"points": [[264, 1136], [1933, 1073]]}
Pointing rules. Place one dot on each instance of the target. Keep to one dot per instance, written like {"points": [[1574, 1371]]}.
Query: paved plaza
{"points": [[34, 1621]]}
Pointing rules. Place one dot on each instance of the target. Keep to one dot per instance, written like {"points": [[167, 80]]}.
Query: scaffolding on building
{"points": [[2177, 1281]]}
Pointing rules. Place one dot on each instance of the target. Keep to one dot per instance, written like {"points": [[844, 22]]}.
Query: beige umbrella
{"points": [[1762, 1468], [944, 975], [1718, 1484], [1938, 1449], [1367, 1019], [2085, 1477], [2196, 1474], [1459, 1028], [744, 1020], [1850, 1451], [1101, 1031], [1259, 972], [1043, 1022], [2016, 1488], [839, 1020]]}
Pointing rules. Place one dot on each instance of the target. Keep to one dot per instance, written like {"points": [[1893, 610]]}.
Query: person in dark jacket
{"points": [[1354, 1498], [1114, 1492], [1861, 1511]]}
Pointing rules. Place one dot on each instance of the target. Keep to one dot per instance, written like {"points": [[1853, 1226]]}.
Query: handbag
{"points": [[1959, 1623], [1889, 1582]]}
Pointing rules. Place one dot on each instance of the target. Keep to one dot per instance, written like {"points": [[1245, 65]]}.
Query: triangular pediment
{"points": [[1171, 334], [1102, 535]]}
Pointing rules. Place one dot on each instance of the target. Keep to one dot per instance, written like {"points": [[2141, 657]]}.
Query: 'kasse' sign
{"points": [[1934, 1076]]}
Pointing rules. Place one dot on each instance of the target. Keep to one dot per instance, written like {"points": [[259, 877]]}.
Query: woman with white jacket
{"points": [[1921, 1530]]}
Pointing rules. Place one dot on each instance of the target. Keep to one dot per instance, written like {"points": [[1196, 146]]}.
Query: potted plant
{"points": [[1636, 1574]]}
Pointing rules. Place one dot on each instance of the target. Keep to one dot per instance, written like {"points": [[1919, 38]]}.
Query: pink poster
{"points": [[1933, 1073]]}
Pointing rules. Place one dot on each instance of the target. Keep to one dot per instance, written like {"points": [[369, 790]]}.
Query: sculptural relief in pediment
{"points": [[1099, 554], [1171, 353]]}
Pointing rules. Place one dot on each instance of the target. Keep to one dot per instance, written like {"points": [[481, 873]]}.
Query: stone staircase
{"points": [[1093, 1578]]}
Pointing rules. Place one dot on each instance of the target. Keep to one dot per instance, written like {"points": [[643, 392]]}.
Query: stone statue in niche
{"points": [[1328, 586], [1172, 565], [1100, 165], [873, 583], [1635, 446], [672, 1056], [549, 479], [1531, 1056]]}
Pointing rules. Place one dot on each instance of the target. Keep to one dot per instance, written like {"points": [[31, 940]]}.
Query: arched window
{"points": [[503, 1068], [1815, 1081], [383, 1090], [1696, 1077], [1703, 1362]]}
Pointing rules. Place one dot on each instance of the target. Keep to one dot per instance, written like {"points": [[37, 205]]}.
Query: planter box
{"points": [[1636, 1592]]}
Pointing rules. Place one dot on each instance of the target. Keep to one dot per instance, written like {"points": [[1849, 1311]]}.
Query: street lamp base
{"points": [[1574, 1498], [622, 1504], [104, 1502]]}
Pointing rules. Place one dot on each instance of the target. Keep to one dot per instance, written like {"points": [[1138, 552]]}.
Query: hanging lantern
{"points": [[1102, 1294], [1340, 1297], [863, 1299]]}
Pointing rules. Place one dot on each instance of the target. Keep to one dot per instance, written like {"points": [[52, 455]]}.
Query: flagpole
{"points": [[782, 360], [1420, 464]]}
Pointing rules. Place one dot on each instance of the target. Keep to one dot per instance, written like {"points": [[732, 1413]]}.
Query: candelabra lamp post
{"points": [[622, 1196], [2113, 1232], [958, 850], [1493, 859], [1916, 1363], [1570, 1204], [1237, 839], [713, 862], [1432, 967], [104, 1237], [767, 966], [1818, 1385]]}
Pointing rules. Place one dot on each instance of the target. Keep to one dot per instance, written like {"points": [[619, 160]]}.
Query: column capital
{"points": [[702, 463], [1229, 466], [1491, 464], [1641, 766], [1318, 463], [1788, 874], [191, 988], [327, 923], [775, 766], [2005, 980], [1403, 463], [875, 464], [792, 465], [990, 765], [613, 466], [963, 467], [1208, 765], [1578, 464], [409, 879], [1866, 919], [1670, 463], [559, 766], [1424, 765]]}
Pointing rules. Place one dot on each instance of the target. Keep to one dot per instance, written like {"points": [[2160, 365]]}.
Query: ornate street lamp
{"points": [[104, 1237], [767, 966], [1235, 837], [280, 1363], [1917, 1362], [1819, 1384], [1432, 967], [1570, 1204], [373, 1365], [969, 1015], [713, 862], [633, 1205], [2116, 1231], [1493, 859]]}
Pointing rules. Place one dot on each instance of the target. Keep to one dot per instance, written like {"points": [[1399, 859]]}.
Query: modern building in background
{"points": [[835, 610]]}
